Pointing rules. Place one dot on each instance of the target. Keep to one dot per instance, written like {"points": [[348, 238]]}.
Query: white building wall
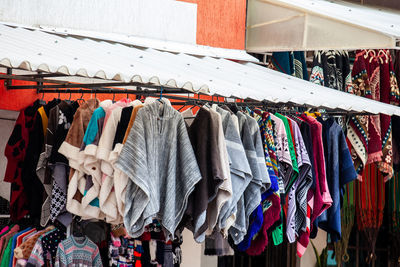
{"points": [[7, 122], [159, 19], [308, 259]]}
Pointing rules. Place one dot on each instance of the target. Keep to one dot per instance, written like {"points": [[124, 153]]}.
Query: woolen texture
{"points": [[160, 162]]}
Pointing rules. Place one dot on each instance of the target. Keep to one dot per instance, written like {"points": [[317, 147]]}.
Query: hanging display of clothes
{"points": [[292, 63], [235, 176], [373, 77], [332, 69]]}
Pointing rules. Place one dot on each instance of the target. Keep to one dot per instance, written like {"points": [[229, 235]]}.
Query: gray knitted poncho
{"points": [[159, 160]]}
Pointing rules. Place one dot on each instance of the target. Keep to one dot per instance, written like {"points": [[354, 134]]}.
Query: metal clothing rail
{"points": [[170, 93]]}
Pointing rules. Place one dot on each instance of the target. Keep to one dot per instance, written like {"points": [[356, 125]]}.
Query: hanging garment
{"points": [[297, 213], [32, 184], [44, 175], [59, 120], [291, 63], [37, 257], [339, 171], [373, 77], [6, 256], [107, 197], [271, 210], [78, 251], [240, 171], [58, 163], [120, 178], [15, 152], [42, 172], [24, 250], [397, 65], [91, 167], [370, 205], [217, 244], [203, 135], [256, 218], [70, 148], [289, 180], [283, 154], [50, 243], [14, 244], [357, 131], [224, 192], [251, 198], [7, 234], [160, 162], [332, 69], [322, 198]]}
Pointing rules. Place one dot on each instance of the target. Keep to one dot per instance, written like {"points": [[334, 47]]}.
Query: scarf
{"points": [[370, 199]]}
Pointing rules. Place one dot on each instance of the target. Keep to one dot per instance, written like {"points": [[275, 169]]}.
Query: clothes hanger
{"points": [[160, 93], [70, 95], [382, 53], [196, 103], [127, 93], [184, 103], [42, 101], [76, 227], [370, 53], [81, 98]]}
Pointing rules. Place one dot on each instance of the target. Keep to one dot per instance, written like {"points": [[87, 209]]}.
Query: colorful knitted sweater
{"points": [[75, 251]]}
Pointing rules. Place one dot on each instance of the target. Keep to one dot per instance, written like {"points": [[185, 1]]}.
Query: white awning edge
{"points": [[35, 50], [284, 25], [175, 47]]}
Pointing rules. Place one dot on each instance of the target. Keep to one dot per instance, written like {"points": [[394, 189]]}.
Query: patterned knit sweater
{"points": [[77, 251]]}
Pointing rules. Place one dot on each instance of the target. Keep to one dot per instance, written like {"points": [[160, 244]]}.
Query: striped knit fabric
{"points": [[37, 258], [370, 201], [75, 251]]}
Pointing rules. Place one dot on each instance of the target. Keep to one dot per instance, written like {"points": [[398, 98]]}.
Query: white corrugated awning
{"points": [[287, 25], [34, 50], [170, 46]]}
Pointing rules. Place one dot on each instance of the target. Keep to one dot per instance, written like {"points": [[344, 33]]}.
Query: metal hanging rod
{"points": [[66, 85], [278, 107], [101, 90], [58, 84]]}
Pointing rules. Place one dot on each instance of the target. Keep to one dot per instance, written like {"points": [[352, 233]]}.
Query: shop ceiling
{"points": [[57, 61], [319, 25]]}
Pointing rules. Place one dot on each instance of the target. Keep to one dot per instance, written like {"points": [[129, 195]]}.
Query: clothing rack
{"points": [[170, 93]]}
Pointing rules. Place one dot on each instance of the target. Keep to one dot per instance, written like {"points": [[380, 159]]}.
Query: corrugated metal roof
{"points": [[137, 41], [35, 50]]}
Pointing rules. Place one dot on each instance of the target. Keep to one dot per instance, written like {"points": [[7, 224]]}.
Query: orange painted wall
{"points": [[221, 23], [20, 99]]}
